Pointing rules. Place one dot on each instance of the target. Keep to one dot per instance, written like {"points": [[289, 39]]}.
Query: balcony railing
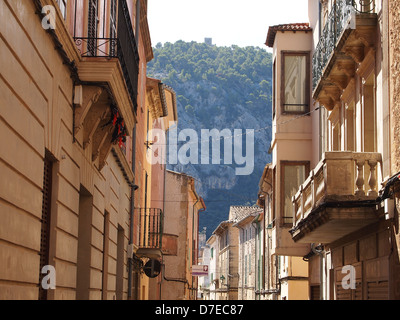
{"points": [[123, 47], [342, 17], [151, 224], [340, 176]]}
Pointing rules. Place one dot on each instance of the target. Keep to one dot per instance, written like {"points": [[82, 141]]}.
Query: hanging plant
{"points": [[119, 130]]}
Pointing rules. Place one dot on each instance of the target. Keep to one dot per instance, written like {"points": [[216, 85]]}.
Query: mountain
{"points": [[228, 90]]}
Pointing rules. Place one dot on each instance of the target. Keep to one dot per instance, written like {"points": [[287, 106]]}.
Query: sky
{"points": [[227, 22]]}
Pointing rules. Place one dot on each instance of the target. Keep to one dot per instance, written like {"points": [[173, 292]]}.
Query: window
{"points": [[369, 100], [323, 133], [293, 174], [62, 4], [113, 26], [106, 243], [84, 244], [274, 90], [92, 27], [273, 199], [119, 279], [295, 86], [45, 221], [350, 127], [245, 270], [249, 263]]}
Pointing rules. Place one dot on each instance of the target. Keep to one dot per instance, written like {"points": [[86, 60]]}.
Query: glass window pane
{"points": [[295, 86], [63, 4], [294, 176]]}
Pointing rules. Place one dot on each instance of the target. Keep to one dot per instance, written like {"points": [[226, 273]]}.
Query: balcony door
{"points": [[369, 126], [113, 27], [93, 21]]}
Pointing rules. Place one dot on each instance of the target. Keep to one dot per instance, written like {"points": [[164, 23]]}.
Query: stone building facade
{"points": [[74, 103], [180, 238]]}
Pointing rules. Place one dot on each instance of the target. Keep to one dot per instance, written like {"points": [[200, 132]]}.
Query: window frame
{"points": [[284, 54], [284, 164], [62, 5], [274, 75]]}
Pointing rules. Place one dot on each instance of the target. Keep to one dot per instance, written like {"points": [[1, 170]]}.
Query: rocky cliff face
{"points": [[226, 90]]}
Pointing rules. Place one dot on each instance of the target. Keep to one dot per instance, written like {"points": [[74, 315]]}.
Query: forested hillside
{"points": [[220, 88]]}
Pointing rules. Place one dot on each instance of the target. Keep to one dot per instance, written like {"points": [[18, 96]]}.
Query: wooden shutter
{"points": [[315, 292], [378, 290], [341, 293], [92, 27], [45, 230], [113, 27]]}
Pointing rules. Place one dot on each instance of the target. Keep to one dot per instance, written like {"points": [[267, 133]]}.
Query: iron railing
{"points": [[151, 225], [341, 18], [123, 47]]}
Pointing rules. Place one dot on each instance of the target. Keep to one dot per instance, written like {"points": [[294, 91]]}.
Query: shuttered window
{"points": [[92, 27], [113, 26], [315, 292], [45, 229], [342, 294], [349, 294], [378, 290]]}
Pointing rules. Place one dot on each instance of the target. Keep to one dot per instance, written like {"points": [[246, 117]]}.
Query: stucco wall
{"points": [[36, 113], [175, 224]]}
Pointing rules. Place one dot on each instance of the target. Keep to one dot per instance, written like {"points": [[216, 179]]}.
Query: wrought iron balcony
{"points": [[338, 197], [151, 226], [123, 46], [344, 16]]}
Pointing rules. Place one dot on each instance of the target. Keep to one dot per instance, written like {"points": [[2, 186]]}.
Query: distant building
{"points": [[210, 292], [208, 41], [250, 250], [180, 237]]}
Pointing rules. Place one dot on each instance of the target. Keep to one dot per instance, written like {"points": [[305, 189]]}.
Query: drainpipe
{"points": [[133, 189], [256, 271], [319, 251], [193, 256], [263, 251], [163, 204], [263, 246], [185, 281], [242, 247], [266, 235]]}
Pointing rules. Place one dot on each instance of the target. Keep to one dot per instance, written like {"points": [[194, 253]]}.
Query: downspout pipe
{"points": [[263, 248], [242, 249], [319, 250], [131, 214], [184, 281], [193, 248], [163, 204], [266, 237], [256, 227]]}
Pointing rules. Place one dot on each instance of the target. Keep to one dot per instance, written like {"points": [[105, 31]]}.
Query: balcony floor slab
{"points": [[328, 223]]}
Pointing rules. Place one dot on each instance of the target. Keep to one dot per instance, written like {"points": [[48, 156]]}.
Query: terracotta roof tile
{"points": [[285, 27]]}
